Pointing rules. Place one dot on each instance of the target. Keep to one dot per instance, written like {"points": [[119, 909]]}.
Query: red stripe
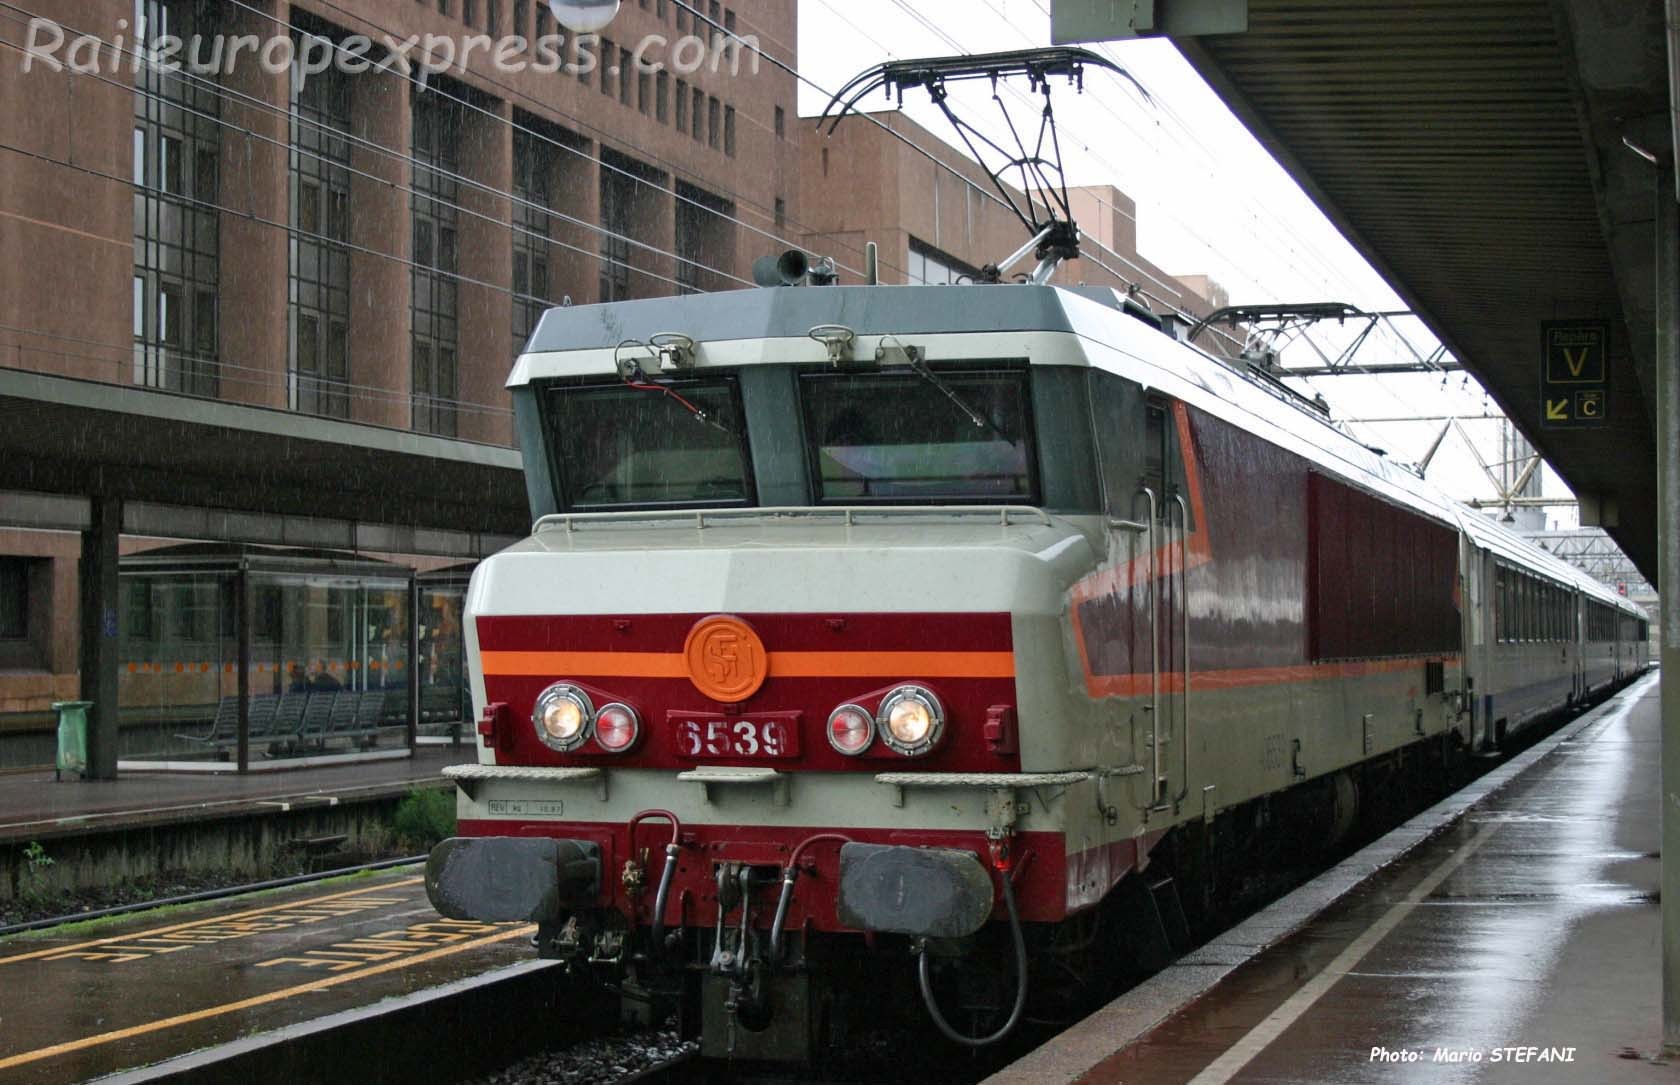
{"points": [[803, 632]]}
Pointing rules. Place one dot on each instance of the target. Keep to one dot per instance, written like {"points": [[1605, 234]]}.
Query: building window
{"points": [[177, 145], [781, 212], [493, 17], [713, 109], [705, 239], [644, 91], [662, 96], [617, 192], [533, 166], [729, 20], [781, 123], [607, 54], [729, 131], [437, 127], [14, 598], [660, 9], [682, 106], [698, 115], [469, 12], [318, 377], [522, 18], [930, 267], [625, 71]]}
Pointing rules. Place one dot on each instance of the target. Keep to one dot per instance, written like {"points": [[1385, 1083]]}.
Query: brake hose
{"points": [[657, 935], [789, 875], [1020, 981]]}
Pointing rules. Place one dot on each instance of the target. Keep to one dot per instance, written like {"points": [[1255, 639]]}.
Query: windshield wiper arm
{"points": [[635, 377], [919, 367]]}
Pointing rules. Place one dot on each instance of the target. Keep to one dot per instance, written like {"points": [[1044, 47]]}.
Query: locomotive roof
{"points": [[791, 312], [1091, 317]]}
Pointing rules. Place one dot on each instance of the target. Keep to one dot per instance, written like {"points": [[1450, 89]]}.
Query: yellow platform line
{"points": [[256, 1000], [231, 917]]}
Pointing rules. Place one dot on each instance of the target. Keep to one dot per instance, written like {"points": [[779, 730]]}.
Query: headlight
{"points": [[617, 727], [562, 717], [910, 720], [850, 729]]}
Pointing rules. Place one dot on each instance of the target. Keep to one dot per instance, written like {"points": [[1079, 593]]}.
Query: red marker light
{"points": [[617, 728], [850, 729]]}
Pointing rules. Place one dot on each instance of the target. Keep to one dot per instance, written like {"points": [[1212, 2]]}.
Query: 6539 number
{"points": [[761, 736]]}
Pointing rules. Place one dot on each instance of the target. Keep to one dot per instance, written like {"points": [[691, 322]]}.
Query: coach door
{"points": [[1162, 489]]}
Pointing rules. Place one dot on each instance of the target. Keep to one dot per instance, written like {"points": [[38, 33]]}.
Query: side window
{"points": [[1507, 606], [1154, 447], [1117, 416]]}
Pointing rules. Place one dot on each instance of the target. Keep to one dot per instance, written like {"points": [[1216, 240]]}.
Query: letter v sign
{"points": [[1575, 360]]}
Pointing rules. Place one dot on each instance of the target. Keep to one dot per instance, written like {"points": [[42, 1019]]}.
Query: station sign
{"points": [[1574, 373]]}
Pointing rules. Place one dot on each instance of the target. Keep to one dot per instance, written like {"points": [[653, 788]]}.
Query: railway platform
{"points": [[106, 997], [1510, 933], [98, 833]]}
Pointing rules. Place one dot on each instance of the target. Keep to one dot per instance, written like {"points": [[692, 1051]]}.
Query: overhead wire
{"points": [[363, 392], [581, 123], [408, 189]]}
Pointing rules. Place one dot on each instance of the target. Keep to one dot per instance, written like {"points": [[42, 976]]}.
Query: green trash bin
{"points": [[72, 737]]}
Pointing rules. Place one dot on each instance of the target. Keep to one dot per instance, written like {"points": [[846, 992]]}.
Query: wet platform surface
{"points": [[106, 997], [35, 806], [1522, 943]]}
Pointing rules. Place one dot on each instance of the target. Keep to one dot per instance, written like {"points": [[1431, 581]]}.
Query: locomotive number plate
{"points": [[760, 736]]}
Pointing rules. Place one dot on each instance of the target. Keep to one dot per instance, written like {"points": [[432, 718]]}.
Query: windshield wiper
{"points": [[981, 421], [634, 377]]}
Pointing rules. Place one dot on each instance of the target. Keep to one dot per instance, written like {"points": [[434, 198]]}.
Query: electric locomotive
{"points": [[871, 641]]}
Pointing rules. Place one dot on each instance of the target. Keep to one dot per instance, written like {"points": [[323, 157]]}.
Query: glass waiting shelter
{"points": [[263, 655], [446, 707]]}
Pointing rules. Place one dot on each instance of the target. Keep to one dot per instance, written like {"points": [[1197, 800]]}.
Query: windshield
{"points": [[617, 445], [960, 436]]}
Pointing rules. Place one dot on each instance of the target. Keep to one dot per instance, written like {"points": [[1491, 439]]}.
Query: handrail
{"points": [[1154, 647], [1184, 638], [1006, 515]]}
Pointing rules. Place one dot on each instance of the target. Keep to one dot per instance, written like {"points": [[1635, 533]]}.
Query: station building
{"points": [[364, 252]]}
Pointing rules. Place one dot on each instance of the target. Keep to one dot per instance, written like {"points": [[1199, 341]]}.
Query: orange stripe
{"points": [[593, 664], [1137, 685], [782, 664], [866, 664]]}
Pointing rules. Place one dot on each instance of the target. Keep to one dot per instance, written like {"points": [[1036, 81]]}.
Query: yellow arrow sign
{"points": [[1557, 410]]}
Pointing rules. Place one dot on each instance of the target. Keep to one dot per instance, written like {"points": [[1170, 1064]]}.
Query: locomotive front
{"points": [[774, 697]]}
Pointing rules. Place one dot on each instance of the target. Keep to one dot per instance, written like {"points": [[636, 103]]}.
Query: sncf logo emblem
{"points": [[726, 660]]}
